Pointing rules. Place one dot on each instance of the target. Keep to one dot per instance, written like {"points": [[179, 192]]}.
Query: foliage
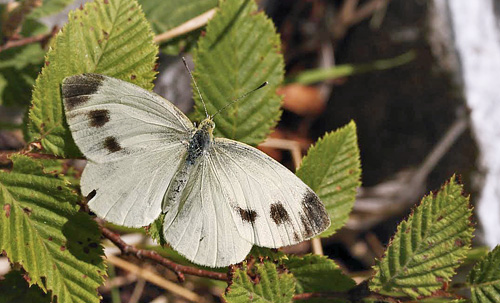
{"points": [[337, 182], [42, 230], [263, 284], [14, 288], [93, 40], [317, 274], [239, 52], [484, 279], [428, 246]]}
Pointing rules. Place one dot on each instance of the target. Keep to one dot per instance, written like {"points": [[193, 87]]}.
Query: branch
{"points": [[178, 269], [25, 41], [186, 27]]}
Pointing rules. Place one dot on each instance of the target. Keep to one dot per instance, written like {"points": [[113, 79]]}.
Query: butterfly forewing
{"points": [[110, 119], [133, 140]]}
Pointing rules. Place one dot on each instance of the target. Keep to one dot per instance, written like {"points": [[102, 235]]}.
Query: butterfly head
{"points": [[207, 125]]}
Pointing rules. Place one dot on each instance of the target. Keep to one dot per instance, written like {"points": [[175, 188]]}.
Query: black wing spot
{"points": [[76, 90], [248, 215], [279, 214], [98, 117], [296, 236], [112, 145], [314, 217], [91, 195], [307, 232]]}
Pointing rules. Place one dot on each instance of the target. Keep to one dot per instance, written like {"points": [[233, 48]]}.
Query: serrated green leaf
{"points": [[484, 279], [239, 52], [314, 273], [42, 230], [110, 37], [49, 7], [14, 288], [267, 285], [269, 253], [155, 230], [428, 246], [333, 170]]}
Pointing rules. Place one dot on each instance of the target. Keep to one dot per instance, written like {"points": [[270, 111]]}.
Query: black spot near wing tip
{"points": [[98, 117], [77, 89], [91, 195], [247, 215], [112, 145], [314, 218], [278, 213]]}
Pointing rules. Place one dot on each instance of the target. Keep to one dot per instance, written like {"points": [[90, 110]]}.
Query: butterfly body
{"points": [[145, 157]]}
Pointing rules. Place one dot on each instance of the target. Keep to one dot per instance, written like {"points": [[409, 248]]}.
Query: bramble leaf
{"points": [[15, 289], [333, 170], [240, 51], [42, 230], [267, 285], [484, 279], [315, 273], [110, 37], [428, 246]]}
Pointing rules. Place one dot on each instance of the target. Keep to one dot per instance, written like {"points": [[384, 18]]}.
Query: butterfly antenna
{"points": [[240, 97], [195, 85]]}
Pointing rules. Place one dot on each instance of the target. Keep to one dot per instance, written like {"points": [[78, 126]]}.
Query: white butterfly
{"points": [[146, 157]]}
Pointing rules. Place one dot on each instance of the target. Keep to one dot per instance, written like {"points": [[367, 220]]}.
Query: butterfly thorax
{"points": [[200, 141]]}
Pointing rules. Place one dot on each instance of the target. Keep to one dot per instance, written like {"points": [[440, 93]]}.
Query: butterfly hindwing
{"points": [[134, 141]]}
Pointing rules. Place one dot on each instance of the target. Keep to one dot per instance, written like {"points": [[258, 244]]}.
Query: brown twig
{"points": [[186, 27], [25, 41], [178, 269]]}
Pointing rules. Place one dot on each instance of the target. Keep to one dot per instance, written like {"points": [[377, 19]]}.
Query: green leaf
{"points": [[315, 273], [267, 253], [110, 37], [333, 170], [42, 230], [428, 246], [266, 285], [240, 51], [321, 74], [49, 7], [15, 289], [484, 279]]}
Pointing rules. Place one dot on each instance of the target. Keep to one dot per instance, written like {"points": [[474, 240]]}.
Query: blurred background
{"points": [[420, 79]]}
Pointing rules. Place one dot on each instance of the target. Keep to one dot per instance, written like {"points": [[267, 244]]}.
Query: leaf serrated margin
{"points": [[428, 246], [336, 182], [484, 279], [42, 230], [267, 286]]}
